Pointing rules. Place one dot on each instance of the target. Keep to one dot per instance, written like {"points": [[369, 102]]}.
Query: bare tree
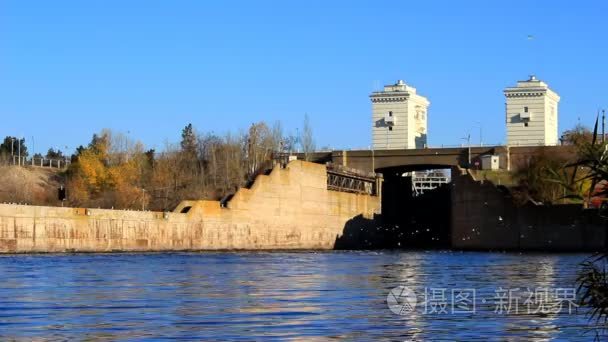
{"points": [[306, 139], [114, 171], [277, 137], [260, 145]]}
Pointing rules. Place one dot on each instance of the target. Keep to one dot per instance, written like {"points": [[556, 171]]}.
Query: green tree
{"points": [[13, 146], [188, 142], [54, 154]]}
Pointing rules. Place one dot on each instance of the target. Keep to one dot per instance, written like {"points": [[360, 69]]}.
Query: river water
{"points": [[290, 296]]}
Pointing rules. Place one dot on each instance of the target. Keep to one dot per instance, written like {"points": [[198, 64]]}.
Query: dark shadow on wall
{"points": [[422, 222], [427, 219], [472, 215], [485, 217], [407, 221], [363, 233]]}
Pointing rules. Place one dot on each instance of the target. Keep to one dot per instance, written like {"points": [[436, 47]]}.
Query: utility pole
{"points": [[19, 148], [13, 149]]}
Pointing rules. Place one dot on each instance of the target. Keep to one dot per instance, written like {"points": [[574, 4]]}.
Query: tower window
{"points": [[390, 128], [525, 109], [525, 124], [390, 113]]}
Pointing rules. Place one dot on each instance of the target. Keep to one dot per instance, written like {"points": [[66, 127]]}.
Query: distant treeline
{"points": [[113, 171]]}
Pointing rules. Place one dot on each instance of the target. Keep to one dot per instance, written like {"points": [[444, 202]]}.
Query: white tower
{"points": [[399, 118], [531, 113]]}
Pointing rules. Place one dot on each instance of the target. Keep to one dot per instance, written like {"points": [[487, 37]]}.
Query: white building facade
{"points": [[531, 114], [399, 118]]}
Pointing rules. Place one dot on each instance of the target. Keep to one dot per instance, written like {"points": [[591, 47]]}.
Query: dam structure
{"points": [[353, 199], [289, 208]]}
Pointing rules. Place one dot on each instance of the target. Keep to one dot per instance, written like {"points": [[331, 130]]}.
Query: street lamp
{"points": [[480, 133], [468, 139]]}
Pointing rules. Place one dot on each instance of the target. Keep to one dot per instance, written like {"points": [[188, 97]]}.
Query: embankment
{"points": [[290, 208]]}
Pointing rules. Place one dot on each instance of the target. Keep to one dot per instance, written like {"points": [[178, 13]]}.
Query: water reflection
{"points": [[286, 296]]}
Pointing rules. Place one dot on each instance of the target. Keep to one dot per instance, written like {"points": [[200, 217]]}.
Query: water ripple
{"points": [[276, 296]]}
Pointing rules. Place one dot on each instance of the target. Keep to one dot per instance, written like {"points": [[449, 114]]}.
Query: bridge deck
{"points": [[430, 158]]}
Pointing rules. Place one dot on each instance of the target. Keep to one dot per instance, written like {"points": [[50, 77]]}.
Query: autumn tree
{"points": [[536, 178], [114, 171], [577, 136], [109, 173]]}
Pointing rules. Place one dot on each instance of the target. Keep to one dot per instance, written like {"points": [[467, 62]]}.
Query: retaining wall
{"points": [[290, 208], [485, 217]]}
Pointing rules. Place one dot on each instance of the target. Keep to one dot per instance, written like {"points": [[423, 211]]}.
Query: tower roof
{"points": [[531, 87], [399, 91], [399, 86]]}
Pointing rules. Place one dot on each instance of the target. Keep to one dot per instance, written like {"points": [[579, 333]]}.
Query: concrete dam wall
{"points": [[484, 217], [291, 208]]}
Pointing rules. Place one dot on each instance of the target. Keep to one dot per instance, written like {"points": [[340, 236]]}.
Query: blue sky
{"points": [[70, 68]]}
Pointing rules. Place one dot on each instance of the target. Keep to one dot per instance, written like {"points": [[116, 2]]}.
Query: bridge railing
{"points": [[465, 145], [462, 145], [368, 148]]}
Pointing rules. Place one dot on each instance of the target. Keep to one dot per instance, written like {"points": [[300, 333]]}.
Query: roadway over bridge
{"points": [[510, 157]]}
